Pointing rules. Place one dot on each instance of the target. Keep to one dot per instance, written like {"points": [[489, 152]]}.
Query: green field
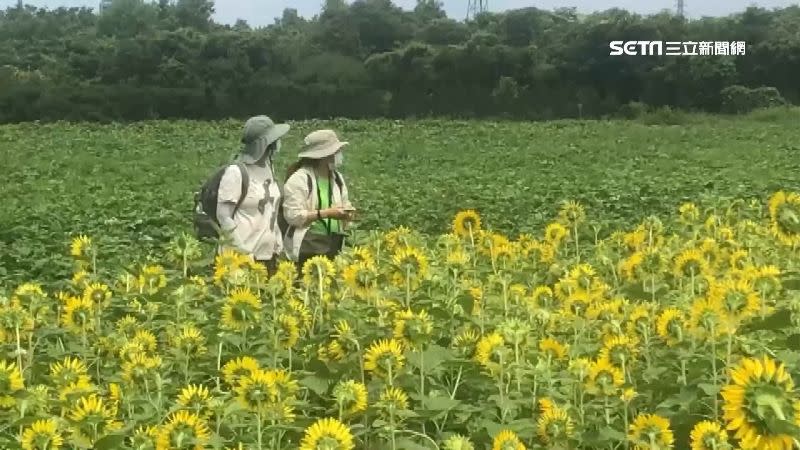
{"points": [[132, 185], [514, 328]]}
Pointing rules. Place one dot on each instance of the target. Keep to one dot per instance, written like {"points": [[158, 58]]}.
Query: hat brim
{"points": [[276, 132], [323, 152]]}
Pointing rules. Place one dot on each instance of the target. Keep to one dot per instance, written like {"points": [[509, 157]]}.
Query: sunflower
{"points": [[608, 313], [690, 263], [766, 280], [467, 223], [41, 435], [285, 386], [542, 297], [457, 259], [670, 326], [256, 391], [689, 214], [760, 390], [554, 233], [151, 279], [69, 370], [190, 341], [410, 266], [708, 435], [141, 368], [541, 252], [318, 269], [11, 383], [630, 267], [707, 319], [91, 418], [412, 329], [241, 310], [181, 428], [327, 434], [78, 315], [620, 350], [71, 393], [737, 298], [507, 440], [298, 309], [145, 340], [144, 438], [738, 260], [289, 329], [604, 378], [577, 304], [362, 255], [490, 351], [465, 341], [233, 371], [392, 400], [81, 246], [458, 442], [196, 399], [553, 349], [384, 358], [554, 425], [97, 293], [572, 213], [784, 212], [351, 396], [361, 278], [650, 431], [80, 279], [128, 325]]}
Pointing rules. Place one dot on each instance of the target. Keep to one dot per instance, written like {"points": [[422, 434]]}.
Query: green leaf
{"points": [[406, 443], [709, 389], [317, 385], [439, 403], [610, 434], [109, 442]]}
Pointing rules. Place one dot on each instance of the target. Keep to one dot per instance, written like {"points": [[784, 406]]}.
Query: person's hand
{"points": [[335, 213]]}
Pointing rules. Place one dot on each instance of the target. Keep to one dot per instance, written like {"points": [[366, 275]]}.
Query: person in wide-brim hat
{"points": [[259, 133], [249, 227], [316, 202]]}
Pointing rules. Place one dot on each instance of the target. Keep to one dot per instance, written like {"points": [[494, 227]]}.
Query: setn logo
{"points": [[634, 48]]}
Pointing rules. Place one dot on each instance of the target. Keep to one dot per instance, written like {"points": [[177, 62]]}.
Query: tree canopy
{"points": [[137, 60]]}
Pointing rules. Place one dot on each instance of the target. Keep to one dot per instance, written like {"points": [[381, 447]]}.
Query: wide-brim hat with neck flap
{"points": [[259, 132], [321, 144]]}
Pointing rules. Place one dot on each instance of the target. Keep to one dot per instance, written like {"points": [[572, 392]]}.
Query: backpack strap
{"points": [[245, 186], [310, 183], [339, 181]]}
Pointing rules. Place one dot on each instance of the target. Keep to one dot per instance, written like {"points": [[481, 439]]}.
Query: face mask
{"points": [[338, 159]]}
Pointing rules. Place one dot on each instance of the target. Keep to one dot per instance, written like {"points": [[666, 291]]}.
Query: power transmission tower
{"points": [[475, 7], [681, 9]]}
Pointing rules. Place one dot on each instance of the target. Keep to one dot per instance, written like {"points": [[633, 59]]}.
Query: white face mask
{"points": [[338, 160]]}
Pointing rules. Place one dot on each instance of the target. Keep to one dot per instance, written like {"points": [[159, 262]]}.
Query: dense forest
{"points": [[139, 60]]}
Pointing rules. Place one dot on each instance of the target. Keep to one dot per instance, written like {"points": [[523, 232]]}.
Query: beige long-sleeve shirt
{"points": [[300, 207]]}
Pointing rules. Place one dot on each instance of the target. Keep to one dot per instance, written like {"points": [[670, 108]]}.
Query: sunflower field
{"points": [[681, 333]]}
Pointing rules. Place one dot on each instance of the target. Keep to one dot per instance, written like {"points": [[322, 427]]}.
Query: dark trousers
{"points": [[270, 264]]}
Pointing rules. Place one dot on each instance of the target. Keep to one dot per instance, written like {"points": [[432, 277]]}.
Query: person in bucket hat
{"points": [[316, 203], [252, 228]]}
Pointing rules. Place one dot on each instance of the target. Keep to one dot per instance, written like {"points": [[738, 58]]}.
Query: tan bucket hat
{"points": [[321, 144]]}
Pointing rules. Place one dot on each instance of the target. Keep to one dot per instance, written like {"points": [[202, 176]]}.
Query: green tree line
{"points": [[137, 60]]}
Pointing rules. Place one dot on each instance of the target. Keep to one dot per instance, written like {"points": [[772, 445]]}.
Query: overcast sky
{"points": [[263, 12]]}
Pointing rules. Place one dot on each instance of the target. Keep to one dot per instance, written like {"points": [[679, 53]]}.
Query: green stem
{"points": [[258, 427]]}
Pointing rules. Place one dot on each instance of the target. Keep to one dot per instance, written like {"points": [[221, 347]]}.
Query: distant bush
{"points": [[740, 99], [633, 110]]}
